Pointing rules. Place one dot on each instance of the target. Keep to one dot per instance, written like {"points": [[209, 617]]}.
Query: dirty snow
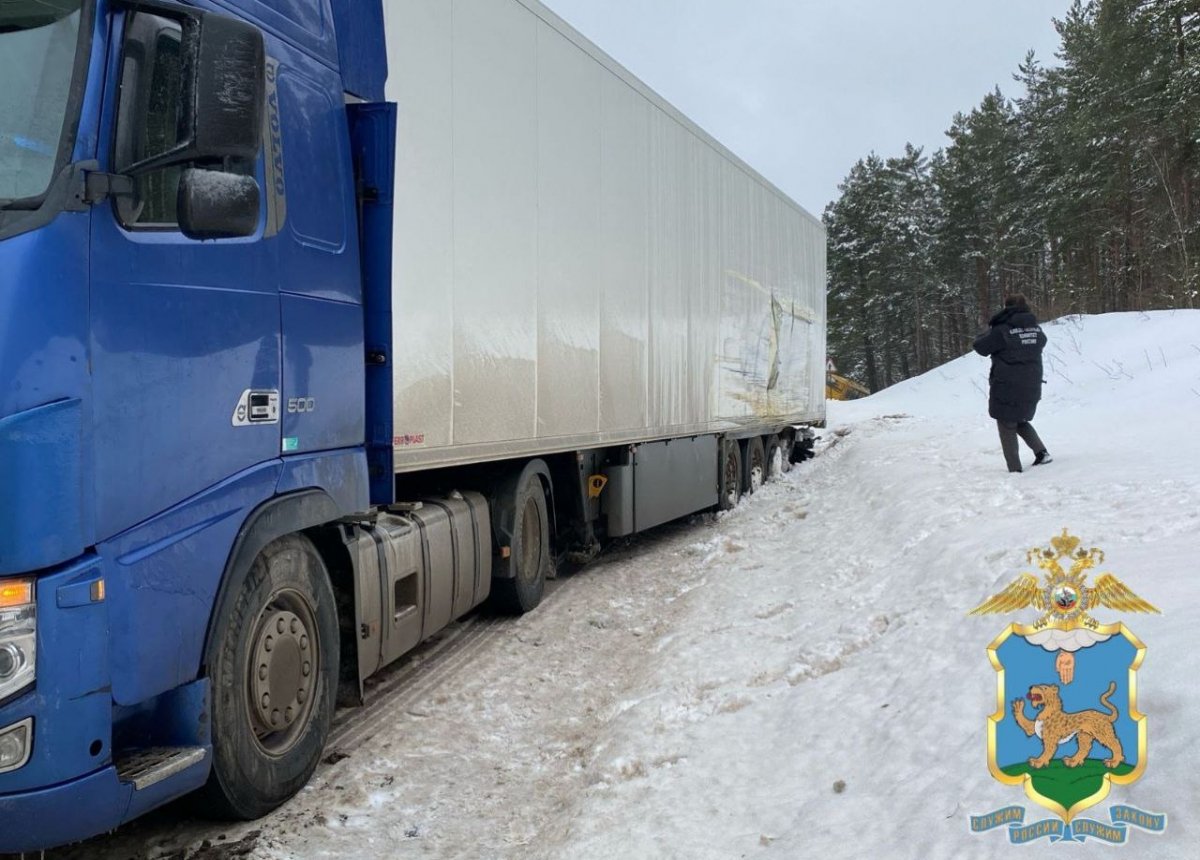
{"points": [[797, 677]]}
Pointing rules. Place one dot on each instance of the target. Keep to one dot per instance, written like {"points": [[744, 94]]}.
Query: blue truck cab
{"points": [[182, 382]]}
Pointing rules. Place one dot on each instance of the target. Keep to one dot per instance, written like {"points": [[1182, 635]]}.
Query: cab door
{"points": [[185, 334]]}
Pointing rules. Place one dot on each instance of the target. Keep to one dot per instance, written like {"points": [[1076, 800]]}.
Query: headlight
{"points": [[18, 636]]}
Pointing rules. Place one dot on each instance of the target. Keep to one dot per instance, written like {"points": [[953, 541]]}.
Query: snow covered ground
{"points": [[798, 677], [828, 645]]}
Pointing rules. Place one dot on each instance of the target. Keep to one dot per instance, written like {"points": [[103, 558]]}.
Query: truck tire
{"points": [[273, 667], [530, 550], [731, 475], [774, 457], [756, 464], [785, 448]]}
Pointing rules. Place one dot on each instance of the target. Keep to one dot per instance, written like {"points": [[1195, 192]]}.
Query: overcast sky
{"points": [[802, 89]]}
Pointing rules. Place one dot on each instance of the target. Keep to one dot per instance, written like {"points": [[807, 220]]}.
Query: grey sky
{"points": [[801, 89]]}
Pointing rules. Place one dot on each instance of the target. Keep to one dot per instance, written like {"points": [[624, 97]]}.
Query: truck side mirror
{"points": [[222, 85], [217, 205], [224, 88]]}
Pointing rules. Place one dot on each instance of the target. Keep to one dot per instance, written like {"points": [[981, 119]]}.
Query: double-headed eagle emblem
{"points": [[1064, 597]]}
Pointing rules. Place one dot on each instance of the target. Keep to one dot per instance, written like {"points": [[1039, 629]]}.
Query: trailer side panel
{"points": [[575, 262]]}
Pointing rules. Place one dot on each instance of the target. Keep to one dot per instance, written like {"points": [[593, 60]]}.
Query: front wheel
{"points": [[273, 664]]}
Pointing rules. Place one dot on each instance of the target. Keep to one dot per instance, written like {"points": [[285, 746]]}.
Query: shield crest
{"points": [[1066, 725]]}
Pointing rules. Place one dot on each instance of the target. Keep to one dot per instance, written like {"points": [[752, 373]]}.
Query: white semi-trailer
{"points": [[576, 263], [584, 285]]}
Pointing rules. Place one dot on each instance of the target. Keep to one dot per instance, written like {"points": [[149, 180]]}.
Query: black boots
{"points": [[1042, 457]]}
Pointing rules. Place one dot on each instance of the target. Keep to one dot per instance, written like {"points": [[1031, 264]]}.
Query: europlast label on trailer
{"points": [[1067, 728]]}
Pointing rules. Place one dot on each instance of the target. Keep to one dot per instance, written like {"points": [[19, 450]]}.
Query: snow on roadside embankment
{"points": [[826, 693]]}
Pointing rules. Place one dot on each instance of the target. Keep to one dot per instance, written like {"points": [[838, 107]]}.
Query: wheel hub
{"points": [[282, 672]]}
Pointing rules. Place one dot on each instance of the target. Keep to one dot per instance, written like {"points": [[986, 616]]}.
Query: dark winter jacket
{"points": [[1014, 342]]}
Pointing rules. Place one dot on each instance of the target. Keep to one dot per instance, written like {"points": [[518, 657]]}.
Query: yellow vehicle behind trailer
{"points": [[838, 387]]}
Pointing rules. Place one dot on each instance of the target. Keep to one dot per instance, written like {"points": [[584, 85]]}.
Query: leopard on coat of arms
{"points": [[1056, 726]]}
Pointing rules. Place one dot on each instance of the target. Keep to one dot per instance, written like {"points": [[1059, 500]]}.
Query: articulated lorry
{"points": [[321, 323]]}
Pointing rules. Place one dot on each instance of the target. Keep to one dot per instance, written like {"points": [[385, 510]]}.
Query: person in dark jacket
{"points": [[1014, 342]]}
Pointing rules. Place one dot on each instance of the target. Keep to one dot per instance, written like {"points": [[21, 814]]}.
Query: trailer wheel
{"points": [[774, 458], [785, 450], [756, 464], [530, 550], [273, 666], [731, 475]]}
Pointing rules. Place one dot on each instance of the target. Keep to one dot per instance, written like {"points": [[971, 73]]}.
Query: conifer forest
{"points": [[1079, 190]]}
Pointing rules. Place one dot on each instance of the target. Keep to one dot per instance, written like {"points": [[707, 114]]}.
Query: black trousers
{"points": [[1009, 431]]}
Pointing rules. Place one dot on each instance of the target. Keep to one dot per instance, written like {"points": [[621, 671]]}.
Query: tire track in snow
{"points": [[413, 683], [417, 676]]}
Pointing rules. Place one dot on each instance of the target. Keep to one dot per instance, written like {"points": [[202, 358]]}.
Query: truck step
{"points": [[147, 767]]}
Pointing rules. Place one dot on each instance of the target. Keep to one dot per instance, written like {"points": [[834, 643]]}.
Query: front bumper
{"points": [[70, 788], [64, 813], [69, 702]]}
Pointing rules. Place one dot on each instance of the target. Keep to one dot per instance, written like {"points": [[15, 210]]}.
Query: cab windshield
{"points": [[38, 40]]}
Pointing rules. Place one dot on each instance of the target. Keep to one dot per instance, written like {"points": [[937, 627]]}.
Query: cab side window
{"points": [[158, 189]]}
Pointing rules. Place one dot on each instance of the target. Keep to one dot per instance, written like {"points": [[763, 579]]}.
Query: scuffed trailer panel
{"points": [[576, 263]]}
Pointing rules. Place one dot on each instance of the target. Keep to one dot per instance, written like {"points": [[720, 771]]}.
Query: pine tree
{"points": [[1081, 194]]}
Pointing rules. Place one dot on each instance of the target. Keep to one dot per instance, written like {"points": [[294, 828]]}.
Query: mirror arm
{"points": [[178, 12], [100, 186], [179, 155]]}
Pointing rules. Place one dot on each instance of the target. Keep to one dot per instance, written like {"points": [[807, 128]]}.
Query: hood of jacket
{"points": [[1019, 316]]}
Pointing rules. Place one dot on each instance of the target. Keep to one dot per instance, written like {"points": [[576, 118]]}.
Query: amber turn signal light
{"points": [[15, 592]]}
